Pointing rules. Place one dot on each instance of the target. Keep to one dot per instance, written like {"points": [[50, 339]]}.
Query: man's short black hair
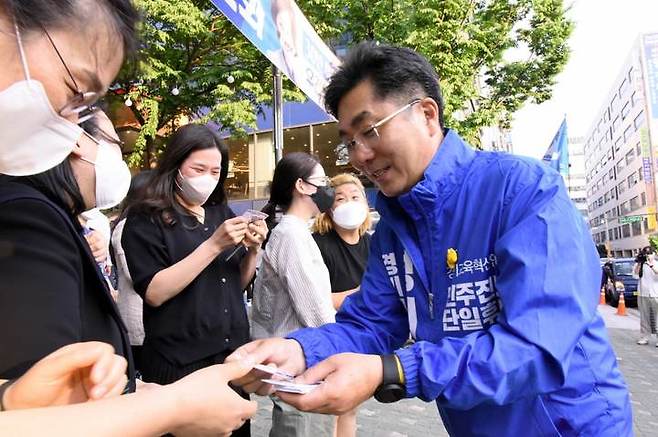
{"points": [[393, 72]]}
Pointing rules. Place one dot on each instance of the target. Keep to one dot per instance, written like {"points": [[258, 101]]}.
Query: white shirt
{"points": [[292, 289], [648, 285]]}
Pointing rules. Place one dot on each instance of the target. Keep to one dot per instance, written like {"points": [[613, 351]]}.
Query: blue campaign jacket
{"points": [[508, 339]]}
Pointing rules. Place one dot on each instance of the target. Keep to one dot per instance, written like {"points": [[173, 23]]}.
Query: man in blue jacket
{"points": [[480, 256]]}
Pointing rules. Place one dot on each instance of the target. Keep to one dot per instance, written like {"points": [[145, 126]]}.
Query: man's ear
{"points": [[431, 114]]}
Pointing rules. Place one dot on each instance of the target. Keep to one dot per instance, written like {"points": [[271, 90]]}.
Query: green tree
{"points": [[653, 242], [466, 40], [193, 63]]}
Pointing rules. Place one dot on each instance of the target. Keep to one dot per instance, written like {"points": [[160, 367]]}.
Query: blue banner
{"points": [[283, 34], [557, 154]]}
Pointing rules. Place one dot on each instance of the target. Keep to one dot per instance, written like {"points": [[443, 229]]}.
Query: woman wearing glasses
{"points": [[57, 58], [292, 289], [52, 292]]}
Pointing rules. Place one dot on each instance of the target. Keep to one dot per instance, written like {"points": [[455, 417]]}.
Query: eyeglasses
{"points": [[318, 181], [82, 103], [370, 136]]}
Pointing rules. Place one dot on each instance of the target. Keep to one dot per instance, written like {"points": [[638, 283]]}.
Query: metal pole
{"points": [[277, 96], [607, 237]]}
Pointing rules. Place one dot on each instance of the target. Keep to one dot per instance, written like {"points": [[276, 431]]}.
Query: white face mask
{"points": [[196, 190], [112, 176], [34, 137], [350, 215]]}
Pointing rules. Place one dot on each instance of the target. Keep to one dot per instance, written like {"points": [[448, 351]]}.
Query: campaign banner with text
{"points": [[279, 29]]}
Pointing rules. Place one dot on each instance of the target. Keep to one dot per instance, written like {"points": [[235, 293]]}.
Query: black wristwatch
{"points": [[393, 386]]}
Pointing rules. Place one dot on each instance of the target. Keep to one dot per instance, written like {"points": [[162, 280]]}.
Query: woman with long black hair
{"points": [[177, 243], [292, 289]]}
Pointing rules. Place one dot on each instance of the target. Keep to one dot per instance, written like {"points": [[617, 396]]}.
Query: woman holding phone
{"points": [[177, 241]]}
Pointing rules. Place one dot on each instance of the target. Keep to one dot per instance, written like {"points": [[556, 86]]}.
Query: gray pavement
{"points": [[414, 418], [639, 364]]}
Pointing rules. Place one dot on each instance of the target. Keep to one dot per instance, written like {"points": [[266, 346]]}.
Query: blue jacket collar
{"points": [[444, 173]]}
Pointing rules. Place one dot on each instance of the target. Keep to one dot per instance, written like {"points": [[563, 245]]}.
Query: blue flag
{"points": [[557, 154]]}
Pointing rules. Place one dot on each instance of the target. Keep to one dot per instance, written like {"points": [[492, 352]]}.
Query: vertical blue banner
{"points": [[283, 34], [557, 154]]}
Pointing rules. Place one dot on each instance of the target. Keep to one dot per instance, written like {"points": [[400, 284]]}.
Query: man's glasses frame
{"points": [[371, 133]]}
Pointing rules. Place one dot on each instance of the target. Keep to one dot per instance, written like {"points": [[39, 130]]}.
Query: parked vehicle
{"points": [[624, 282]]}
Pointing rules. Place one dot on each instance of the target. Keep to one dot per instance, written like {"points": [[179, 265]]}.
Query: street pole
{"points": [[278, 113], [607, 237]]}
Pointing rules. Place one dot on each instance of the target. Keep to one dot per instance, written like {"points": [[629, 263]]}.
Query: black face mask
{"points": [[323, 197]]}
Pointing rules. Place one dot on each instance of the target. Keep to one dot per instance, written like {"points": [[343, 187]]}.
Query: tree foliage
{"points": [[653, 242], [469, 43], [193, 63]]}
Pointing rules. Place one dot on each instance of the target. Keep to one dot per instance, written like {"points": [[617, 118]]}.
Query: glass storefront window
{"points": [[253, 162], [326, 141], [296, 140], [237, 182]]}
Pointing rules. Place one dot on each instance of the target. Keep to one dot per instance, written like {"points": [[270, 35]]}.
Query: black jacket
{"points": [[52, 292]]}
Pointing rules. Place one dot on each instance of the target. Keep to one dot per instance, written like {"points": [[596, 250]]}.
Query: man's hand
{"points": [[206, 405], [349, 380], [75, 373], [282, 353]]}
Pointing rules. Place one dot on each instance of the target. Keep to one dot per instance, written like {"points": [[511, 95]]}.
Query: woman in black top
{"points": [[54, 67], [342, 236], [177, 242]]}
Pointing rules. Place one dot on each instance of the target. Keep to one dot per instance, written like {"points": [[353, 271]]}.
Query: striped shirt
{"points": [[292, 289], [129, 302]]}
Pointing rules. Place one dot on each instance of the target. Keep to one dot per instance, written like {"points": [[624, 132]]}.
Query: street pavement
{"points": [[415, 418], [639, 364]]}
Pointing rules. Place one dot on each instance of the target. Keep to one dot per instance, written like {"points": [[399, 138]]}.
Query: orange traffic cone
{"points": [[621, 307], [602, 297]]}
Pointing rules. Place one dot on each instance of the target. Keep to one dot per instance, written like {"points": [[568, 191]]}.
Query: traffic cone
{"points": [[602, 297], [621, 307]]}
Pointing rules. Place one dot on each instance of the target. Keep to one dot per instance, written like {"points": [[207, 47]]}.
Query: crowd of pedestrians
{"points": [[461, 296]]}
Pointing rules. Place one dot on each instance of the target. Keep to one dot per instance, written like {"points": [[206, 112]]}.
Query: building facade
{"points": [[620, 150], [575, 180]]}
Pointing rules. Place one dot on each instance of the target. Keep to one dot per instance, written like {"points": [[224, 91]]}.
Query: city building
{"points": [[619, 155], [494, 138], [575, 180]]}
